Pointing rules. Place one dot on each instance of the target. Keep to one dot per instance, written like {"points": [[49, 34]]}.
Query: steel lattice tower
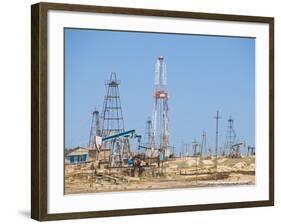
{"points": [[95, 128], [230, 136], [112, 116], [112, 120], [147, 133], [160, 121]]}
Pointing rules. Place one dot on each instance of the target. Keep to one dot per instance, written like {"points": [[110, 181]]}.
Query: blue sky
{"points": [[205, 74]]}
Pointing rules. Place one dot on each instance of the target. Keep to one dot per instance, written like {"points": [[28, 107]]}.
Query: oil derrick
{"points": [[112, 119], [203, 146], [160, 122], [146, 142], [147, 134], [95, 130], [230, 138], [196, 148], [112, 116]]}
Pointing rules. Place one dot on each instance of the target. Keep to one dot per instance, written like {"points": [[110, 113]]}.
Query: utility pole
{"points": [[203, 144], [217, 138]]}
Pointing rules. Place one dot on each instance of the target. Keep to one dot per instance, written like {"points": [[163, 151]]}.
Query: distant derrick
{"points": [[232, 147], [95, 129], [230, 137], [147, 133]]}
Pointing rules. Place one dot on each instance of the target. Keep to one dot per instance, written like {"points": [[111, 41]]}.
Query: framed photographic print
{"points": [[141, 111]]}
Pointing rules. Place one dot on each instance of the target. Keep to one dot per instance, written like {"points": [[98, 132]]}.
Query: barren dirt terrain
{"points": [[177, 173]]}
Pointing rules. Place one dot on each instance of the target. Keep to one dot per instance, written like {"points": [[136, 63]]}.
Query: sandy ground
{"points": [[179, 173]]}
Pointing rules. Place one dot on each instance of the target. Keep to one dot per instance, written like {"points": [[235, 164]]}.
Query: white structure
{"points": [[160, 121]]}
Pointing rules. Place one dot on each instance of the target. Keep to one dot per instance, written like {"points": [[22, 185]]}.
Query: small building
{"points": [[77, 155], [82, 155]]}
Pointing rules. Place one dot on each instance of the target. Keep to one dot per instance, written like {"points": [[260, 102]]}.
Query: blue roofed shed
{"points": [[78, 155]]}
